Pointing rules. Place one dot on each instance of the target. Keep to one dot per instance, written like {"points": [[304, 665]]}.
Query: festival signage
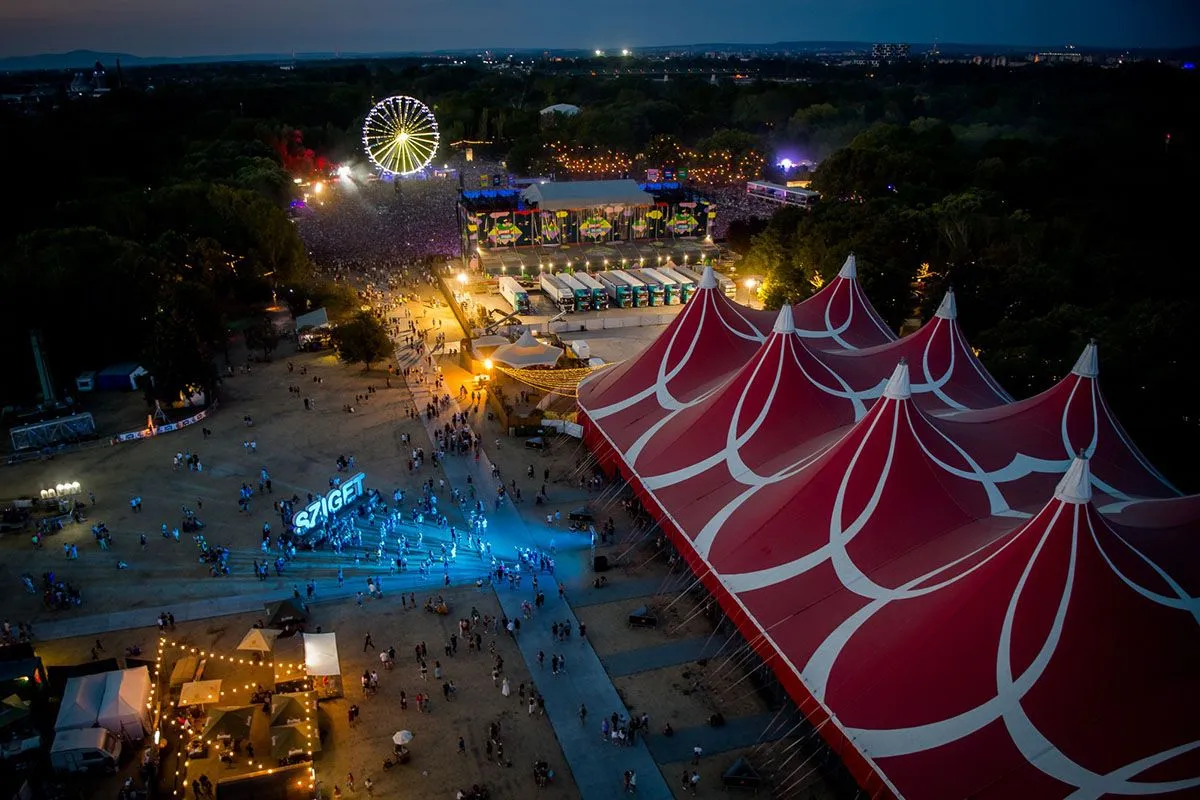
{"points": [[595, 227], [320, 509], [682, 223], [505, 232]]}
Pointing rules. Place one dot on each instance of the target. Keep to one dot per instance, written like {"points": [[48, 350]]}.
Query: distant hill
{"points": [[84, 59], [81, 59]]}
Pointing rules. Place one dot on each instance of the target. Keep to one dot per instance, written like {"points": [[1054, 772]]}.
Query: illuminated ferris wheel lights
{"points": [[400, 135]]}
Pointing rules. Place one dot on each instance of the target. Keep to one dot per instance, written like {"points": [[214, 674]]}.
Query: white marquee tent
{"points": [[81, 702], [125, 709]]}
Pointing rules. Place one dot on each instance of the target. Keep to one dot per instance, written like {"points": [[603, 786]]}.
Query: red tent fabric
{"points": [[1020, 449], [949, 633], [751, 421], [709, 339], [840, 316], [946, 373], [1062, 661]]}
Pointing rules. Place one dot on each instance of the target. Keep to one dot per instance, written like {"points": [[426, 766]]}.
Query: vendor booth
{"points": [[293, 708], [81, 703], [125, 709], [321, 663]]}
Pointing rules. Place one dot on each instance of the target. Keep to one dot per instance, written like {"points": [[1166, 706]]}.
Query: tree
{"points": [[364, 339], [262, 335]]}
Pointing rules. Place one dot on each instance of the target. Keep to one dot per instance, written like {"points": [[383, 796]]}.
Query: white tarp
{"points": [[126, 697], [81, 702], [313, 319], [321, 655]]}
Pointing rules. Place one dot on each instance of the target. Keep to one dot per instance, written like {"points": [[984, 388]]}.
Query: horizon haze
{"points": [[195, 28]]}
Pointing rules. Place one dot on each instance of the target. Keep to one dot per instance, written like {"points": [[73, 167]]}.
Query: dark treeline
{"points": [[142, 223]]}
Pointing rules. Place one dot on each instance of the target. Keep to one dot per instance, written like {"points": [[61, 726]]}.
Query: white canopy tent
{"points": [[124, 710], [81, 702], [313, 319], [321, 654], [527, 352], [200, 693], [321, 663]]}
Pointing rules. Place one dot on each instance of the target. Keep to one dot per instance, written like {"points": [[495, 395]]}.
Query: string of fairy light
{"points": [[282, 671], [560, 381], [713, 167]]}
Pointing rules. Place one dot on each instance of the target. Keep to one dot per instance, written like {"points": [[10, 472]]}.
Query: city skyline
{"points": [[226, 27]]}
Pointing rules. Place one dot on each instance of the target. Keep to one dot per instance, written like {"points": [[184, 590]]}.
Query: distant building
{"points": [[889, 51], [1068, 56], [85, 84], [560, 108]]}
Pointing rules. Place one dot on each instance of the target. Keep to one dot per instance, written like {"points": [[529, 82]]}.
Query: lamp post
{"points": [[751, 284]]}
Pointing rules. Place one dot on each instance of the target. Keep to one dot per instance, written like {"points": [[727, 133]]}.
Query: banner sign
{"points": [[320, 509]]}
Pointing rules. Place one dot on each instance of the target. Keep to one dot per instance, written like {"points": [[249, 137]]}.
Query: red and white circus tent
{"points": [[855, 543], [946, 373], [840, 316]]}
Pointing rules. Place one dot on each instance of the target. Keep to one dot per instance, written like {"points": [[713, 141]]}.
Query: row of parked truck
{"points": [[643, 287]]}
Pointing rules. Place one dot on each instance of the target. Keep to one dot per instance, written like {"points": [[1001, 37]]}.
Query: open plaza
{"points": [[187, 525]]}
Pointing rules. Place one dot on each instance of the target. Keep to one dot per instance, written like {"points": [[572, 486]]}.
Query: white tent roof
{"points": [[561, 108], [313, 319], [321, 655], [200, 693], [487, 343], [81, 702], [586, 194], [260, 640], [126, 695], [527, 352]]}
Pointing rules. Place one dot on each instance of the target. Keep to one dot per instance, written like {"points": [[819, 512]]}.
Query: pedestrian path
{"points": [[734, 734], [596, 766], [616, 590], [670, 654], [66, 627]]}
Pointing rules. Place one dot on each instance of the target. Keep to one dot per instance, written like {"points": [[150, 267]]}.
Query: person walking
{"points": [[582, 714], [368, 642], [462, 746]]}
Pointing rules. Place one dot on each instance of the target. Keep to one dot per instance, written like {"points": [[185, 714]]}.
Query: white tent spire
{"points": [[849, 269], [1076, 486], [784, 323], [898, 387], [1088, 365], [949, 308], [708, 280]]}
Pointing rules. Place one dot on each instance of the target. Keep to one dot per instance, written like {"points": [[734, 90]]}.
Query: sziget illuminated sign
{"points": [[338, 498]]}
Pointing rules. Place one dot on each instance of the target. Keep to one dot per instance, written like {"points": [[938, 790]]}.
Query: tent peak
{"points": [[708, 280], [1076, 485], [849, 269], [1088, 364], [785, 323], [948, 308], [898, 387]]}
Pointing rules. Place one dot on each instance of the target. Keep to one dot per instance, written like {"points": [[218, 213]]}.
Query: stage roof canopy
{"points": [[582, 194]]}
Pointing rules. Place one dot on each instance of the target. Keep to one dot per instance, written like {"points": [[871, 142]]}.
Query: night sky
{"points": [[215, 27]]}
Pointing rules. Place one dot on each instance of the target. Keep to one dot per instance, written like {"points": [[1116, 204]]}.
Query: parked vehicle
{"points": [[85, 750]]}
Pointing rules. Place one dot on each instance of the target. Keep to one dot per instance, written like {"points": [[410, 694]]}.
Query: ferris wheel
{"points": [[400, 135]]}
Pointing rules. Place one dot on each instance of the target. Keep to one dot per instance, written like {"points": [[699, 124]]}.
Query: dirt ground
{"points": [[298, 448], [436, 769]]}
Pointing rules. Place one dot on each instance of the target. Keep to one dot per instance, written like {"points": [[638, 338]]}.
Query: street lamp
{"points": [[487, 364], [750, 284], [462, 278]]}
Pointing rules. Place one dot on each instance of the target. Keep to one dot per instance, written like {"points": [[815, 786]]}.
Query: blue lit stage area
{"points": [[453, 531]]}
